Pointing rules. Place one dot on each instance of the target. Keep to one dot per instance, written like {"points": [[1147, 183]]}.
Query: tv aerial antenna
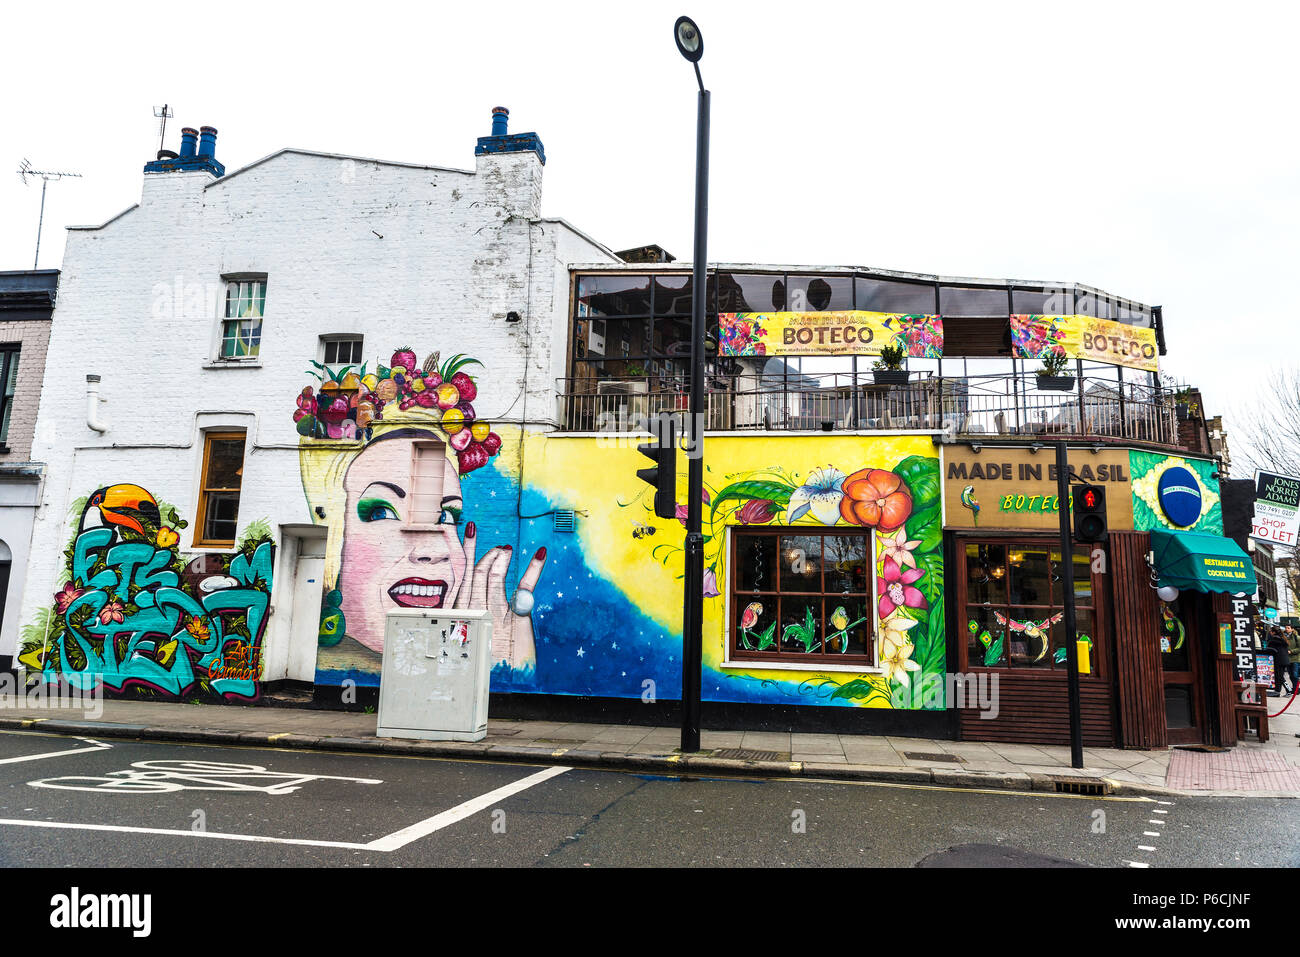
{"points": [[47, 176], [164, 113]]}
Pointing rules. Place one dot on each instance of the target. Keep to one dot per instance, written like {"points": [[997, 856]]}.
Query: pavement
{"points": [[1271, 769]]}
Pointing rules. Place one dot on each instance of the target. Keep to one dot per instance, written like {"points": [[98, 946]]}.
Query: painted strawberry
{"points": [[405, 358], [461, 440], [492, 444], [465, 386], [474, 457]]}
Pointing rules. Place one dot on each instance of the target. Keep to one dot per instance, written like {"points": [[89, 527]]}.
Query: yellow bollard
{"points": [[1083, 650]]}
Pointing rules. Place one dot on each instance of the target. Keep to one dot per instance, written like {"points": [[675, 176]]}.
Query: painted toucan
{"points": [[118, 504]]}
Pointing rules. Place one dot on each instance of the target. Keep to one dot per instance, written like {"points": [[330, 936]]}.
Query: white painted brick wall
{"points": [[405, 255]]}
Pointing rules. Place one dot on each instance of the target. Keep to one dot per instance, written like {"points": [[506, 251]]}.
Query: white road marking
{"points": [[1158, 811], [1143, 847], [1166, 803], [123, 829], [1137, 864], [387, 844], [1150, 833], [1156, 821], [95, 746], [406, 835], [163, 777]]}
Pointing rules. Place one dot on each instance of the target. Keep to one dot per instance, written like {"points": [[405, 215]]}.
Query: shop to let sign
{"points": [[844, 333], [1084, 337], [1277, 508]]}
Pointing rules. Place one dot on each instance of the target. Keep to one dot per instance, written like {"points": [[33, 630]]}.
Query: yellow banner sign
{"points": [[847, 333], [1085, 337]]}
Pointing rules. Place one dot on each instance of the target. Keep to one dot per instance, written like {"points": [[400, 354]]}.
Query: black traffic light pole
{"points": [[693, 606], [1067, 559]]}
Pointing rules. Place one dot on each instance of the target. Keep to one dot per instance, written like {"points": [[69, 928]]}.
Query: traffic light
{"points": [[663, 477], [1089, 513]]}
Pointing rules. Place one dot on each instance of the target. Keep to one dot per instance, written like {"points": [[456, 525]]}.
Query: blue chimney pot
{"points": [[502, 142], [208, 142], [198, 152]]}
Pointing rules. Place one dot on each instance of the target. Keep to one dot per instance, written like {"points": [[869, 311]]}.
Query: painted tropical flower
{"points": [[896, 659], [750, 616], [758, 511], [896, 628], [197, 628], [895, 588], [876, 498], [839, 620], [65, 598], [682, 510], [167, 537], [900, 549], [113, 611], [711, 583], [821, 495]]}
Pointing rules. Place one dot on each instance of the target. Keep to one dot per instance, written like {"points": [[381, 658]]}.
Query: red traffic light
{"points": [[1090, 499]]}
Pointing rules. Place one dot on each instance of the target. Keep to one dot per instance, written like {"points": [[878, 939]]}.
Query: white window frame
{"points": [[237, 283], [340, 337]]}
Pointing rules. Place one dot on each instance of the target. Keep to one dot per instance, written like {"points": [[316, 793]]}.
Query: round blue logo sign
{"points": [[1180, 496]]}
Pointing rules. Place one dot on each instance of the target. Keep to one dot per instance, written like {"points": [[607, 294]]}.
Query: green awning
{"points": [[1202, 562]]}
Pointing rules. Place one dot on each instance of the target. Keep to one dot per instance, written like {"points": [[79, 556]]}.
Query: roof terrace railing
{"points": [[969, 406]]}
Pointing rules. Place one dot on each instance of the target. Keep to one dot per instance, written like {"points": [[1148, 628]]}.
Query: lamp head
{"points": [[690, 43]]}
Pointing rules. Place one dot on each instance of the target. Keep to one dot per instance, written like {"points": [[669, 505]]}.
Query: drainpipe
{"points": [[92, 404]]}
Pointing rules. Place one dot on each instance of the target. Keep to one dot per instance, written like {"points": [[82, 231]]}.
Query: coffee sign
{"points": [[1017, 488]]}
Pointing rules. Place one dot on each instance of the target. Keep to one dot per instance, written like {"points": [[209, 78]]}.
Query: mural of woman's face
{"points": [[386, 563]]}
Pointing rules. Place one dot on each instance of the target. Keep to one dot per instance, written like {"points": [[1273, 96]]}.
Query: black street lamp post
{"points": [[691, 45]]}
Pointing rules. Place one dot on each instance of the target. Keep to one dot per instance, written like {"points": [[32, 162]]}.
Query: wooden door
{"points": [[1180, 659]]}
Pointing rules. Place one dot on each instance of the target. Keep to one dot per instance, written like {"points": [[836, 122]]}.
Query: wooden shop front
{"points": [[1157, 672]]}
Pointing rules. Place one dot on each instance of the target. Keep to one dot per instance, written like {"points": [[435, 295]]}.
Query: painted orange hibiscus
{"points": [[876, 498], [197, 628]]}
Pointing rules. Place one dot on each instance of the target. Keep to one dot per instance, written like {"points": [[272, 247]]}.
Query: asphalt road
{"points": [[77, 802]]}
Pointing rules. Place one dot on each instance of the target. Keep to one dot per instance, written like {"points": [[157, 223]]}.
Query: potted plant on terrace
{"points": [[888, 369], [1185, 405], [1051, 377]]}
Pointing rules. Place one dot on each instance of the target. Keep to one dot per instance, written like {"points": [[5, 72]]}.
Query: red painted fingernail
{"points": [[469, 530], [541, 553], [505, 548]]}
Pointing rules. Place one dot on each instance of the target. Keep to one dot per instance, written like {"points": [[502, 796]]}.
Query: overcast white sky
{"points": [[1149, 149]]}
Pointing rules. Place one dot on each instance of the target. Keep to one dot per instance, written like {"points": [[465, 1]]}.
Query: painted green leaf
{"points": [[926, 529], [767, 637], [778, 492], [858, 689], [931, 583], [921, 474], [994, 653]]}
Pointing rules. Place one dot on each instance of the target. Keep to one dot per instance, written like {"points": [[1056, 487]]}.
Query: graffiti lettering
{"points": [[133, 614]]}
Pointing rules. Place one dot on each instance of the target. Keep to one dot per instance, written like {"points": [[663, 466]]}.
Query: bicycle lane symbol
{"points": [[162, 777]]}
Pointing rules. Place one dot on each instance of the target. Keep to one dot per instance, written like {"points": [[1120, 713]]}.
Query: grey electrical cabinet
{"points": [[434, 682]]}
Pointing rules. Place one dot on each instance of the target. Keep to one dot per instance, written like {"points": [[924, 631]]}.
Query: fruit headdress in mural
{"points": [[134, 613], [900, 506], [397, 539], [350, 402]]}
